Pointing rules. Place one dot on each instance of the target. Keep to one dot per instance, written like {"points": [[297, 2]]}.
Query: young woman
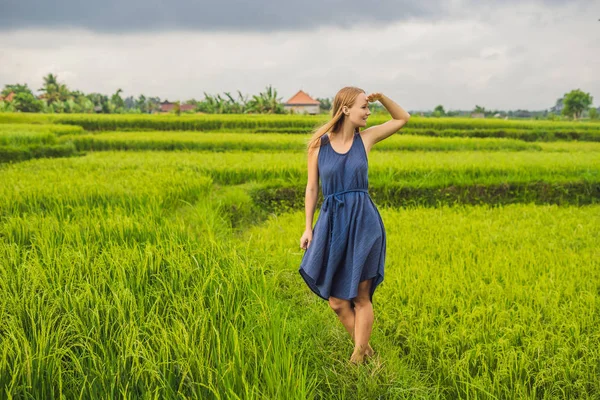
{"points": [[345, 252]]}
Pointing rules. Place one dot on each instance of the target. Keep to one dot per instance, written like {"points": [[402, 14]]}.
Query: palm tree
{"points": [[233, 106], [266, 102], [50, 89], [50, 79], [212, 104], [273, 103], [117, 100], [141, 103], [54, 91], [479, 109]]}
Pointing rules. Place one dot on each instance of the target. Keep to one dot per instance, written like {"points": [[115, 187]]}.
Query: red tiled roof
{"points": [[301, 98], [9, 97], [183, 107]]}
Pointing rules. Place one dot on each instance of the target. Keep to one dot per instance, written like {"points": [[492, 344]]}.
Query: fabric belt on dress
{"points": [[337, 200]]}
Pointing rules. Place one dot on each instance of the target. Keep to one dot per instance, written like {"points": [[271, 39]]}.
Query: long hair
{"points": [[344, 97]]}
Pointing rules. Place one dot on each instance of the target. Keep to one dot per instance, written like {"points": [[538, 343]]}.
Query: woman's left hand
{"points": [[371, 97]]}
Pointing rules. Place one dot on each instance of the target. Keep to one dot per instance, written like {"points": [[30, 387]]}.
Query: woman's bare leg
{"points": [[363, 322], [346, 314]]}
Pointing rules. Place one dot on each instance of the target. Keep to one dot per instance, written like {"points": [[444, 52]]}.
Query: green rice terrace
{"points": [[147, 256]]}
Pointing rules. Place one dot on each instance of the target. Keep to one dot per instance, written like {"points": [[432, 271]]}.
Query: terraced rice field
{"points": [[138, 262]]}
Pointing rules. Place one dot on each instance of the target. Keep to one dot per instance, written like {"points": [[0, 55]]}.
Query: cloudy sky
{"points": [[507, 54]]}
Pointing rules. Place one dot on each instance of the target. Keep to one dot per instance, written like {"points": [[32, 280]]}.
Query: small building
{"points": [[477, 115], [165, 106], [302, 103], [9, 97]]}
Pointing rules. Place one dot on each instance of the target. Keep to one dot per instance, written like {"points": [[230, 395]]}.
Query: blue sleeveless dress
{"points": [[349, 239]]}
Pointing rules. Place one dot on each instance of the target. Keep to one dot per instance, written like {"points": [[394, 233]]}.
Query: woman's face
{"points": [[359, 112]]}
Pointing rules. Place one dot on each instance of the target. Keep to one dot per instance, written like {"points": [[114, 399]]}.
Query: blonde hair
{"points": [[344, 97]]}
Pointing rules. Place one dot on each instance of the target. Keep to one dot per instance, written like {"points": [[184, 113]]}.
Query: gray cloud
{"points": [[511, 56], [224, 15], [234, 15]]}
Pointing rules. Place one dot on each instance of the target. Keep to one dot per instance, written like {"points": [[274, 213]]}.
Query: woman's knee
{"points": [[364, 294], [338, 305], [361, 301]]}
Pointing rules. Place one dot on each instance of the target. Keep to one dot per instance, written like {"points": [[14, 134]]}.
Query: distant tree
{"points": [[266, 102], [55, 92], [553, 117], [82, 103], [100, 102], [24, 99], [141, 104], [57, 107], [27, 102], [70, 106], [50, 89], [153, 104], [522, 114], [177, 108], [117, 101], [129, 102], [558, 107], [7, 106], [479, 109], [439, 111], [233, 106], [17, 88], [212, 104], [50, 79], [575, 102], [325, 103], [593, 113]]}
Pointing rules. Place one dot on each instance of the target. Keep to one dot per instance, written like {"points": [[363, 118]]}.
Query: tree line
{"points": [[56, 97], [574, 104]]}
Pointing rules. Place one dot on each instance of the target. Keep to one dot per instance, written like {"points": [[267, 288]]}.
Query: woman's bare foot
{"points": [[357, 358], [369, 352], [359, 355]]}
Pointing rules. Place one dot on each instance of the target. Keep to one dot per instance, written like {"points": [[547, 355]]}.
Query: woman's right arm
{"points": [[312, 188]]}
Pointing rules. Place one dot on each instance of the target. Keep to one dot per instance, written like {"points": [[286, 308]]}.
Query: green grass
{"points": [[220, 142], [409, 168], [20, 142], [478, 302], [91, 179], [465, 127], [168, 274], [129, 300]]}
